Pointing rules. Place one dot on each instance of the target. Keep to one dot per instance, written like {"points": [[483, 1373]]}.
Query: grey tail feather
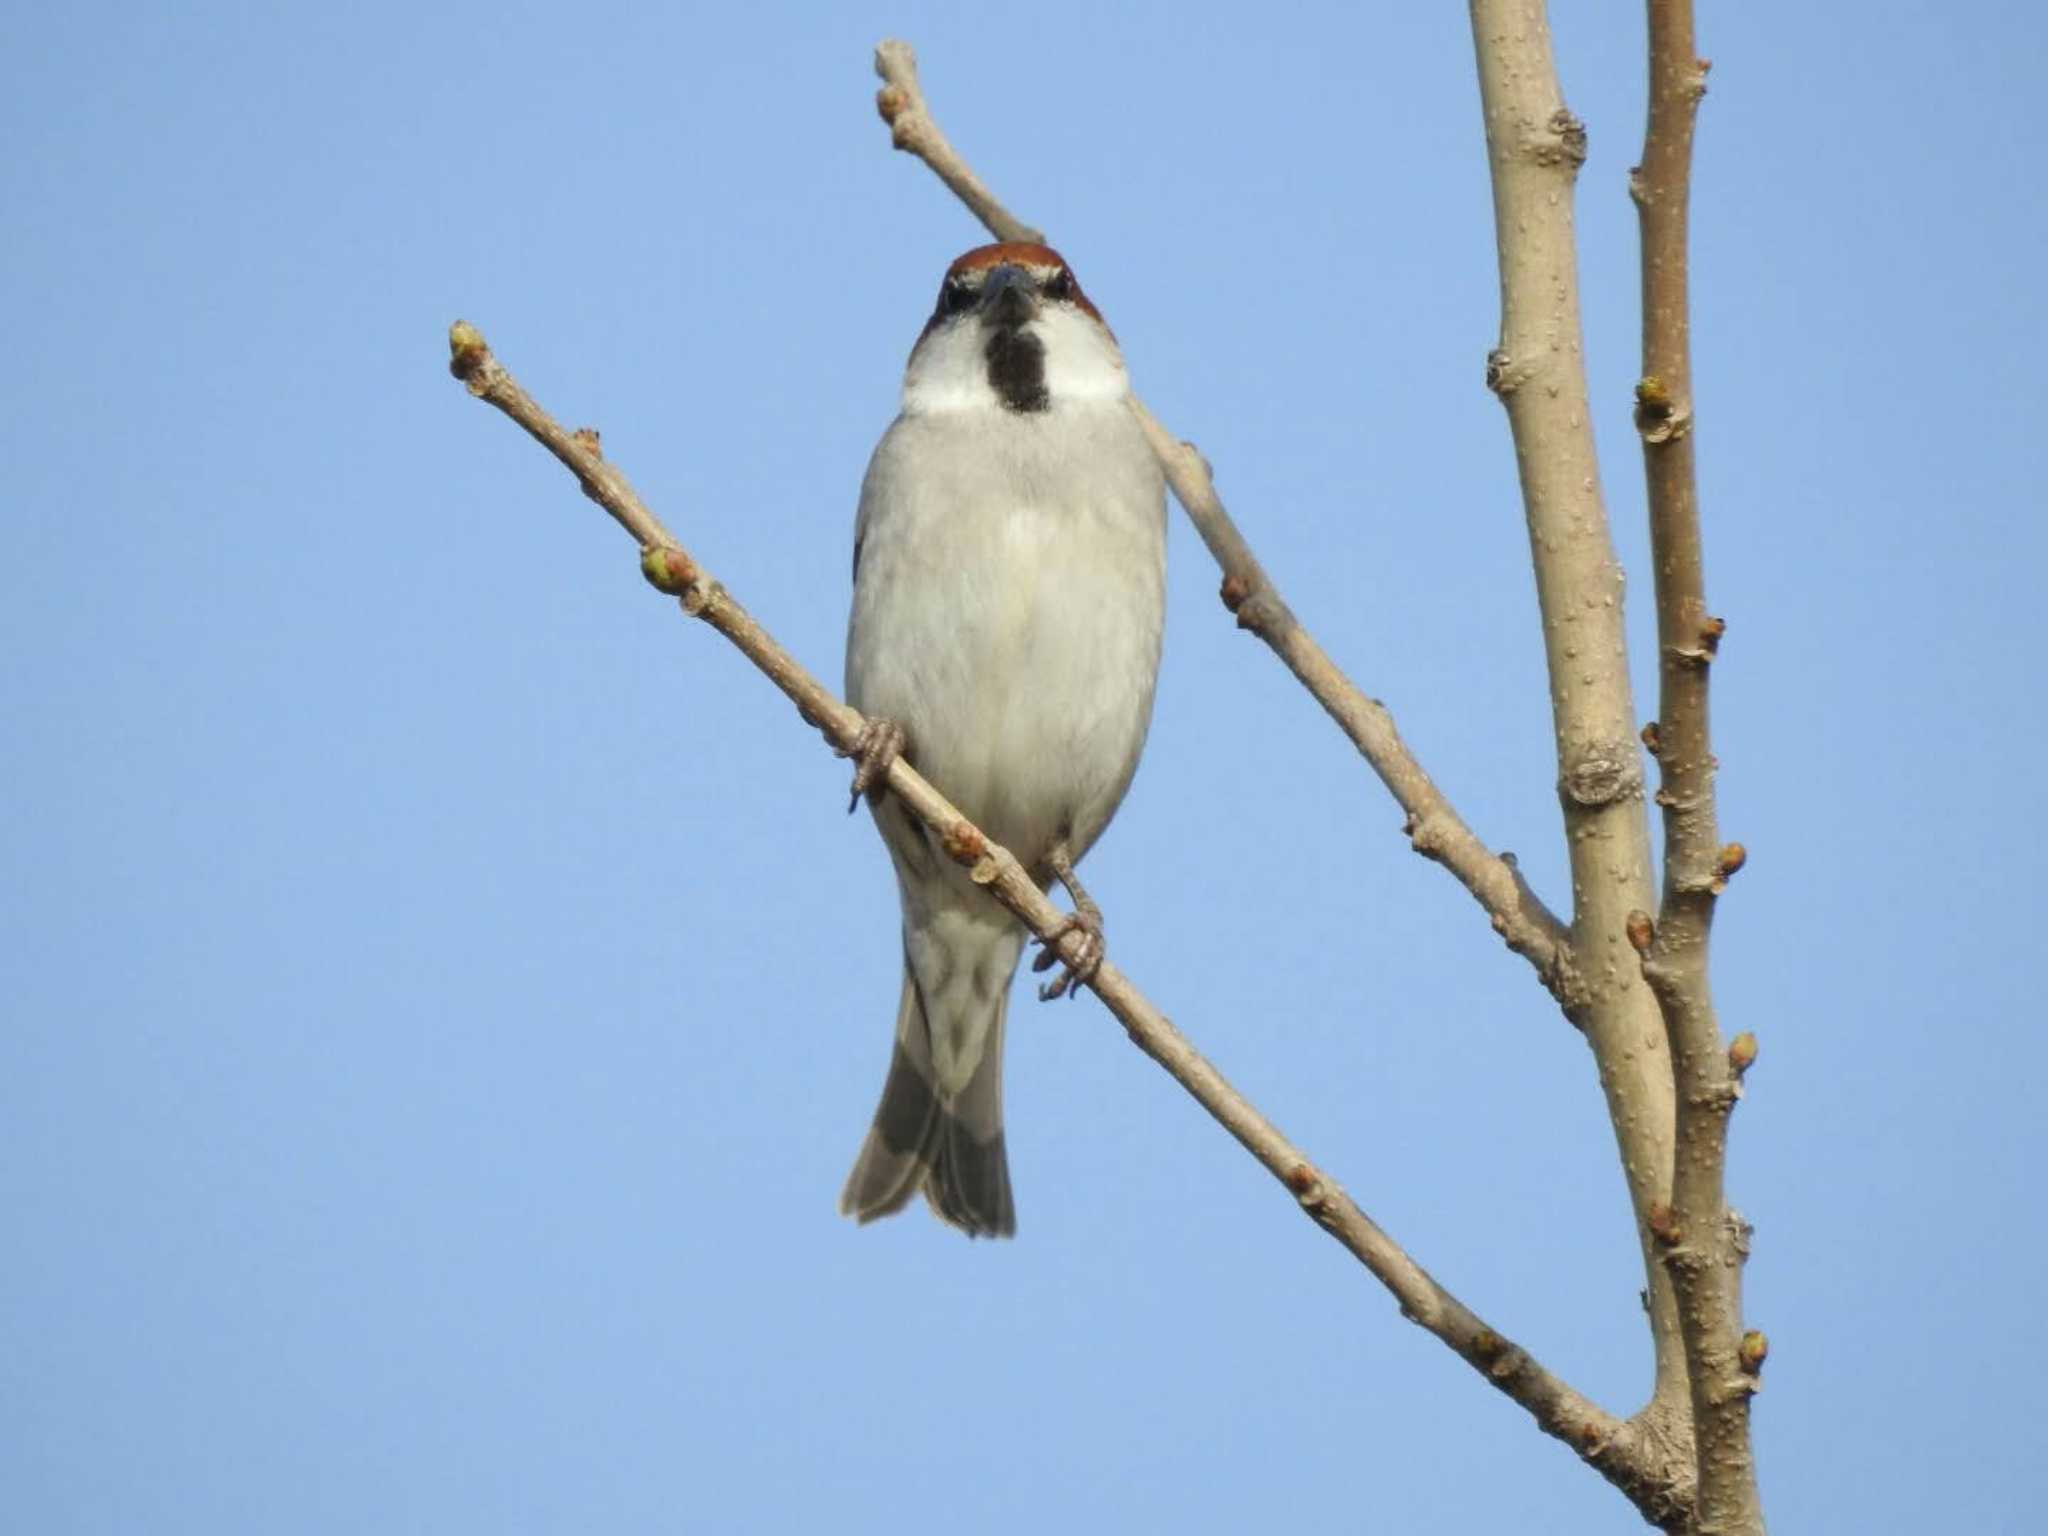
{"points": [[953, 1152]]}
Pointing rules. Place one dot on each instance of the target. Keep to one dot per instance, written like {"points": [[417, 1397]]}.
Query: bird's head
{"points": [[1012, 331]]}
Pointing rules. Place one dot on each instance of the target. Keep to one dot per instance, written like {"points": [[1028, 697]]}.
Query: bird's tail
{"points": [[948, 1145]]}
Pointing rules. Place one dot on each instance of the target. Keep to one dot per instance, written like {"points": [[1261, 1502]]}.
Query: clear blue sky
{"points": [[443, 991]]}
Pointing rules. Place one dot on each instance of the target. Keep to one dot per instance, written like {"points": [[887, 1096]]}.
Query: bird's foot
{"points": [[1078, 972], [1085, 919], [880, 743]]}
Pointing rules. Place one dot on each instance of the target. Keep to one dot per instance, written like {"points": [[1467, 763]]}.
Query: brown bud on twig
{"points": [[466, 350], [588, 440], [1235, 590], [1752, 1351], [1742, 1053], [1652, 742], [1731, 858], [1711, 631], [964, 843], [1308, 1189], [1663, 1224], [1642, 933], [890, 101], [667, 570], [1659, 417]]}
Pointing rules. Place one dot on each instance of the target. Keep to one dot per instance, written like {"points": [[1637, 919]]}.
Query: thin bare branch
{"points": [[913, 128], [1434, 828], [1617, 1448], [1705, 1243], [1534, 148]]}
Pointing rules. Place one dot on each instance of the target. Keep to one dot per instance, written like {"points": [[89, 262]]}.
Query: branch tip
{"points": [[467, 350]]}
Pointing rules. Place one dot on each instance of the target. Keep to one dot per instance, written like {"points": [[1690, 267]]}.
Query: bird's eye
{"points": [[1060, 285], [955, 297]]}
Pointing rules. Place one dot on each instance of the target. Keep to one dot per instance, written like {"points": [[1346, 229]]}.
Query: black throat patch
{"points": [[1016, 368]]}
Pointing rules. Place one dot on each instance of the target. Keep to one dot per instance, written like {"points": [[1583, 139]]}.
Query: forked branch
{"points": [[1534, 149], [1615, 1447], [1434, 828]]}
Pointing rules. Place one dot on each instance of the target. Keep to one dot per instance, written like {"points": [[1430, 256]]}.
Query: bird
{"points": [[1009, 581]]}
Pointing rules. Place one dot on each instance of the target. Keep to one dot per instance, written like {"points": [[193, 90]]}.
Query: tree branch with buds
{"points": [[1434, 827], [1613, 1446], [1631, 1014], [1534, 148], [1636, 985], [1708, 1242]]}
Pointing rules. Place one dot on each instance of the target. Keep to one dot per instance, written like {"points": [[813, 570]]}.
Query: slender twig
{"points": [[1617, 1448], [1434, 828], [1704, 1242]]}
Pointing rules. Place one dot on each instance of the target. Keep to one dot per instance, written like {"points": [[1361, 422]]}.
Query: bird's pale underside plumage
{"points": [[1009, 590]]}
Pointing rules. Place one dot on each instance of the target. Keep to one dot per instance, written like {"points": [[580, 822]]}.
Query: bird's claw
{"points": [[880, 743], [1080, 971]]}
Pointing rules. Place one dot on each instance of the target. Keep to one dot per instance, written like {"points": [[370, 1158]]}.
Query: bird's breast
{"points": [[1007, 610]]}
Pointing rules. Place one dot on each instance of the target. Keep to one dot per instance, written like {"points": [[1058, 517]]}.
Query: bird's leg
{"points": [[1086, 919], [879, 744]]}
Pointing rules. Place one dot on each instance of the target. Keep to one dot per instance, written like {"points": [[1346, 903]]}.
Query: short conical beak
{"points": [[1008, 298]]}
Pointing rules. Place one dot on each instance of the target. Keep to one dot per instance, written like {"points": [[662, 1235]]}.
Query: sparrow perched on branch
{"points": [[1009, 566]]}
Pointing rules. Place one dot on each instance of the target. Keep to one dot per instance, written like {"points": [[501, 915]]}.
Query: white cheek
{"points": [[947, 373], [1081, 362]]}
